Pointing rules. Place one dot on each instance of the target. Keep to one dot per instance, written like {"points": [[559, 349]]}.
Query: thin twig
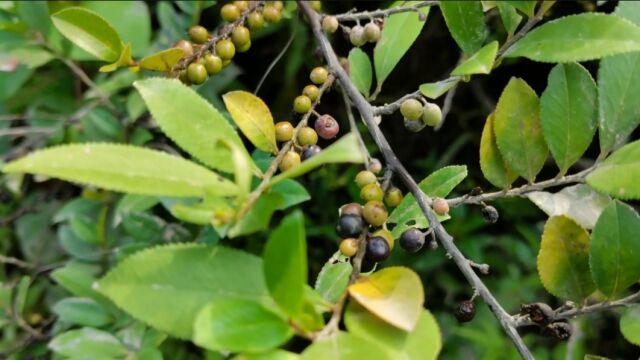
{"points": [[446, 106], [26, 130], [353, 126], [15, 261], [366, 15], [277, 58]]}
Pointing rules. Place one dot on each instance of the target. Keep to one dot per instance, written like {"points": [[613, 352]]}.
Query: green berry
{"points": [[255, 20], [241, 36], [184, 77], [316, 5], [365, 177], [197, 73], [271, 14], [212, 63], [311, 91], [411, 109], [393, 197], [372, 32], [356, 36], [230, 12], [319, 75], [440, 206], [284, 131], [301, 104], [241, 5], [244, 48], [431, 114], [290, 160], [225, 49], [375, 213], [330, 24], [198, 34], [385, 234], [349, 247], [277, 4], [371, 192], [307, 136], [185, 46]]}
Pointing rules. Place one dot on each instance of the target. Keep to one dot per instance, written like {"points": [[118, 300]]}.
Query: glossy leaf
{"points": [[268, 355], [578, 38], [437, 89], [518, 131], [163, 60], [258, 217], [465, 21], [124, 168], [82, 311], [563, 260], [630, 325], [394, 294], [236, 325], [86, 341], [345, 346], [526, 6], [90, 32], [618, 174], [510, 17], [479, 63], [124, 60], [150, 284], [360, 70], [493, 167], [615, 248], [334, 278], [254, 119]]}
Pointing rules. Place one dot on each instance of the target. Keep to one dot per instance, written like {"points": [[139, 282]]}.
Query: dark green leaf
{"points": [[465, 21], [86, 341]]}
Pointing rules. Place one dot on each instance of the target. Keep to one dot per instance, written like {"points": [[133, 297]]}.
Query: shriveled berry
{"points": [[240, 36], [198, 34], [356, 36], [385, 234], [311, 91], [271, 13], [330, 24], [284, 131], [316, 5], [393, 197], [560, 330], [414, 125], [301, 104], [255, 20], [185, 46], [244, 47], [349, 247], [365, 177], [290, 160], [411, 109], [440, 206], [327, 127], [225, 49], [371, 192], [372, 32], [212, 63], [241, 5], [318, 75], [490, 214], [349, 226], [351, 209], [230, 12], [375, 166], [431, 114], [310, 151], [197, 73], [375, 213], [377, 249], [539, 313], [307, 136], [465, 312], [412, 240]]}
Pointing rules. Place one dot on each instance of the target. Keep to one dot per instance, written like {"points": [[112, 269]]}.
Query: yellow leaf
{"points": [[253, 118], [163, 60]]}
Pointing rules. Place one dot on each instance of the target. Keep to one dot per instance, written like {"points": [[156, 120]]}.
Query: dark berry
{"points": [[310, 151], [412, 240], [386, 234], [351, 209], [539, 313], [327, 127], [377, 249], [465, 311], [490, 214], [349, 247], [349, 226]]}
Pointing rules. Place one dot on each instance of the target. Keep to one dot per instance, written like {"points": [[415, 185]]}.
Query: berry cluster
{"points": [[418, 114], [358, 34]]}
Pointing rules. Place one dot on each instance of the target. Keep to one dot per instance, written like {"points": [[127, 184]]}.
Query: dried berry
{"points": [[560, 330], [465, 312], [327, 127], [490, 214], [539, 313]]}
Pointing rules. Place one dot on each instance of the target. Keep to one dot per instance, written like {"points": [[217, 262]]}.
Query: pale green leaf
{"points": [[345, 346], [493, 167], [615, 248], [437, 89], [360, 70], [86, 341], [258, 217], [268, 355], [618, 175], [526, 6], [465, 21], [630, 325], [333, 278], [124, 168], [254, 119], [163, 60], [82, 311], [124, 60], [479, 63], [510, 17]]}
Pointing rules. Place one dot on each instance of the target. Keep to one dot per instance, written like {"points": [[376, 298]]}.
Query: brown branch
{"points": [[366, 15]]}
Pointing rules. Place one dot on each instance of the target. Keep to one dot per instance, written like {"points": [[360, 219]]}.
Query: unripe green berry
{"points": [[385, 234], [277, 4], [311, 91], [365, 178], [212, 63], [185, 46], [241, 5], [440, 206], [225, 49], [318, 75], [330, 24], [244, 47], [230, 12], [198, 34], [356, 36], [371, 192], [255, 20], [183, 76], [349, 247], [411, 109], [284, 131], [290, 160], [301, 104], [375, 213], [431, 114], [240, 36], [225, 62], [393, 197], [271, 14], [372, 32], [316, 5], [197, 73], [307, 136]]}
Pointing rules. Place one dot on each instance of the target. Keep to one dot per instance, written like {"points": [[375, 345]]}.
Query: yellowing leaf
{"points": [[124, 60], [393, 294], [254, 119], [163, 60], [493, 167]]}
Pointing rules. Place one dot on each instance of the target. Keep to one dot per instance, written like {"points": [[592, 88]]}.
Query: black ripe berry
{"points": [[490, 214], [412, 240], [465, 311], [309, 151], [349, 226], [377, 249]]}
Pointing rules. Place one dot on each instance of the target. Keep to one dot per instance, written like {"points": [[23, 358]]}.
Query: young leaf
{"points": [[333, 278], [510, 17], [285, 263], [493, 167], [90, 32], [479, 63], [254, 119], [614, 249], [465, 21], [618, 175], [437, 89], [394, 294], [124, 168], [578, 38], [360, 70], [81, 342], [167, 286], [124, 60], [563, 261], [82, 311], [191, 122], [399, 32], [234, 325], [163, 60], [630, 325], [345, 346], [568, 113], [517, 129]]}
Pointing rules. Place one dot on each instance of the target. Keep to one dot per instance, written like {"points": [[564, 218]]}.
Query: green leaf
{"points": [[277, 354], [399, 32], [578, 38], [518, 131], [291, 191], [254, 119], [124, 168], [345, 346], [285, 263], [437, 184], [163, 60], [345, 150], [493, 167], [630, 325], [568, 113], [360, 70], [124, 60], [479, 63], [89, 31], [82, 311], [394, 294], [234, 325], [167, 286], [465, 21], [526, 6], [510, 17], [35, 14], [333, 278], [88, 341], [258, 217], [614, 249], [437, 89], [618, 174], [190, 121], [563, 260]]}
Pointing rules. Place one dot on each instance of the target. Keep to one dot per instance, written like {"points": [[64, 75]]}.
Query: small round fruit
{"points": [[307, 136], [490, 214], [372, 32], [371, 192], [183, 76], [277, 4], [349, 226], [375, 213], [414, 125], [393, 197], [301, 104], [318, 75], [351, 209], [411, 109], [197, 73], [440, 206], [349, 247], [284, 131], [431, 114], [310, 151], [465, 312], [212, 63], [386, 234], [255, 20], [365, 177], [311, 91], [240, 36], [185, 46], [377, 249], [330, 24], [356, 36], [198, 34], [290, 160], [412, 240], [225, 49], [271, 14], [230, 12], [316, 5], [327, 127], [375, 166], [241, 5], [244, 47]]}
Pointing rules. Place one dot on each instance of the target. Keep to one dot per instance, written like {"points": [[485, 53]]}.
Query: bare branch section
{"points": [[367, 15]]}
